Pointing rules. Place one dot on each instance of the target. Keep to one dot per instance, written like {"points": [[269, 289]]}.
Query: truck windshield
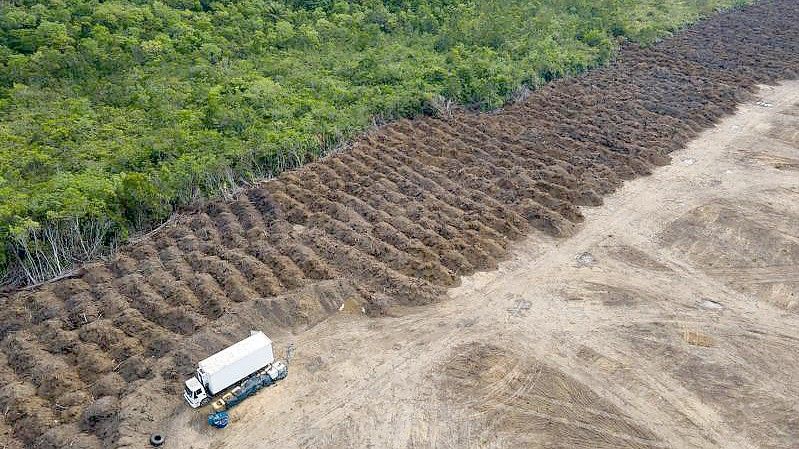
{"points": [[189, 392]]}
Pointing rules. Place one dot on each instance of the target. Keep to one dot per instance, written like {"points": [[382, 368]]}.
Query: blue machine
{"points": [[219, 419]]}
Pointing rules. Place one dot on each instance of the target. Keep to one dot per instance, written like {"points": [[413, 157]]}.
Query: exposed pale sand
{"points": [[669, 320]]}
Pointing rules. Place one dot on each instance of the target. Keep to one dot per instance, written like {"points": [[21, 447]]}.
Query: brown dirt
{"points": [[394, 221], [538, 405], [667, 321]]}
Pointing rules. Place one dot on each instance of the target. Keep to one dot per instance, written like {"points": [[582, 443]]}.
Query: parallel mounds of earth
{"points": [[395, 219]]}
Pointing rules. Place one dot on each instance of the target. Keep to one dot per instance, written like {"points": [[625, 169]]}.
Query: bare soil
{"points": [[669, 320], [386, 227]]}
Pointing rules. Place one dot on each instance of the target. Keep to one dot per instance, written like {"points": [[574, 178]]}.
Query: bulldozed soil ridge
{"points": [[394, 220]]}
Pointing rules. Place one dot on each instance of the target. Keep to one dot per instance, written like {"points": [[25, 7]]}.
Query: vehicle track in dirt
{"points": [[395, 219]]}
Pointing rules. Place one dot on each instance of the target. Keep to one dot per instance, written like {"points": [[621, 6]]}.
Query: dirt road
{"points": [[668, 320]]}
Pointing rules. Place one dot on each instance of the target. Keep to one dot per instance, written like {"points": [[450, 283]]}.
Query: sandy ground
{"points": [[669, 320]]}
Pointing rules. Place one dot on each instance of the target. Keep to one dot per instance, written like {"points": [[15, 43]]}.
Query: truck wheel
{"points": [[156, 439], [205, 402]]}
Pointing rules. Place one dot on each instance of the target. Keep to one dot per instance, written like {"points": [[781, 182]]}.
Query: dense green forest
{"points": [[113, 113]]}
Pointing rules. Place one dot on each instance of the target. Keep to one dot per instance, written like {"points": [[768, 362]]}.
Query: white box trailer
{"points": [[227, 367]]}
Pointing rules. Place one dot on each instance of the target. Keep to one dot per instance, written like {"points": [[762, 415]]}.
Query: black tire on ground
{"points": [[205, 402], [156, 439]]}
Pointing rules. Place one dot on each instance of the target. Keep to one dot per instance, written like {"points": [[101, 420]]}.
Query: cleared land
{"points": [[669, 320], [396, 220]]}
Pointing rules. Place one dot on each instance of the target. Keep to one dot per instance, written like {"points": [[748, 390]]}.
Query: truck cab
{"points": [[195, 393]]}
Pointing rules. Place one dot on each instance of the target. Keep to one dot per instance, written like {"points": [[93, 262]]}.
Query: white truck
{"points": [[249, 363]]}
